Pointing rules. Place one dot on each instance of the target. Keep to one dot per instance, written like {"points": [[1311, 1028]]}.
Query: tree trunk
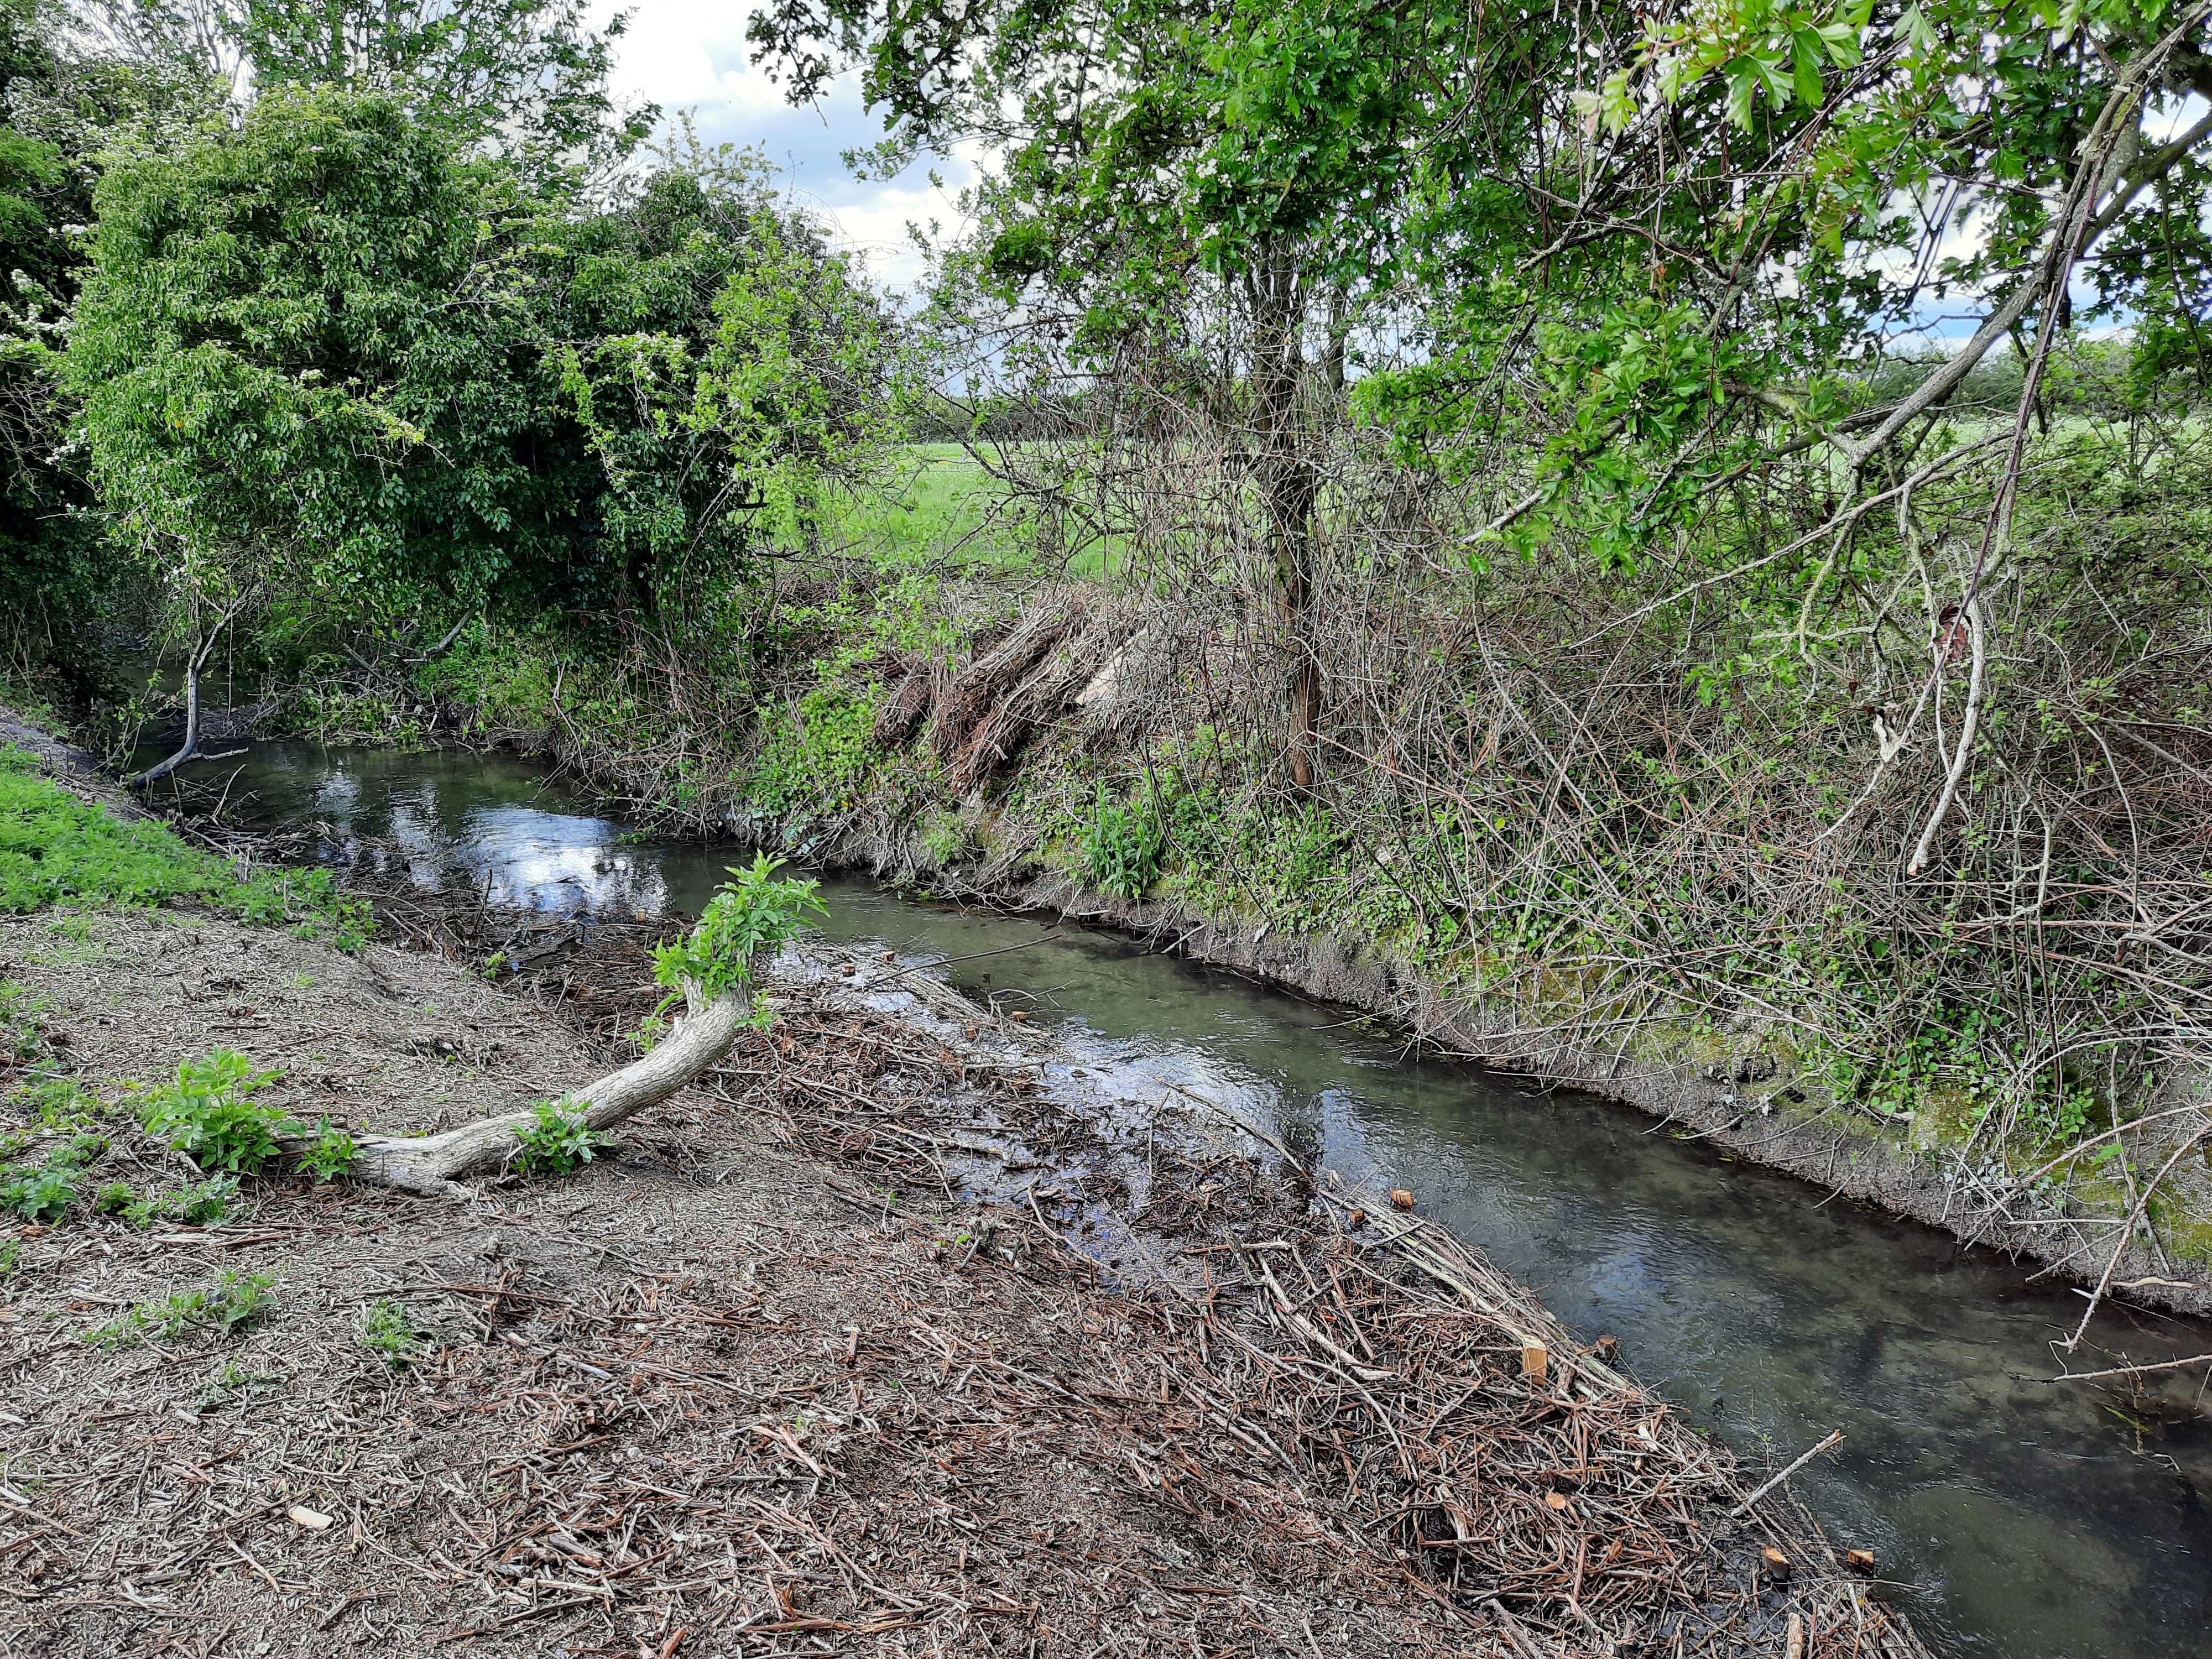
{"points": [[190, 745], [1289, 485], [433, 1164]]}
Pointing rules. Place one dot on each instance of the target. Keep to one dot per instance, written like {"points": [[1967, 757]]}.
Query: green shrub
{"points": [[232, 1301], [114, 1198], [818, 757], [558, 1142], [753, 914], [944, 836], [43, 1192], [1121, 847], [209, 1114], [330, 1154]]}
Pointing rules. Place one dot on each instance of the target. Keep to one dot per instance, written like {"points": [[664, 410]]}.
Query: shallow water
{"points": [[2029, 1520]]}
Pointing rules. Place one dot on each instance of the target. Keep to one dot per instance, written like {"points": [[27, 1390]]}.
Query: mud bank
{"points": [[1734, 1096]]}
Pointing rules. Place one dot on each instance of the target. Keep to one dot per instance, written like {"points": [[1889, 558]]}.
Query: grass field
{"points": [[937, 504]]}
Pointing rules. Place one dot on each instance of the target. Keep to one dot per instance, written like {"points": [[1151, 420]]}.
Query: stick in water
{"points": [[1737, 1513]]}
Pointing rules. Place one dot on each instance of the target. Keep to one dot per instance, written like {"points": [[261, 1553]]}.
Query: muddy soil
{"points": [[707, 1386]]}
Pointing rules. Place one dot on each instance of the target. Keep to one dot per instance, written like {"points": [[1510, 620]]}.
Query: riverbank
{"points": [[765, 1377], [1056, 763]]}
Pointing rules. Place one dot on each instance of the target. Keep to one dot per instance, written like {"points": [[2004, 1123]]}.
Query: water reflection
{"points": [[2034, 1521]]}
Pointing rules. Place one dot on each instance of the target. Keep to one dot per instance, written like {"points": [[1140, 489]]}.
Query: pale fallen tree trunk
{"points": [[433, 1165]]}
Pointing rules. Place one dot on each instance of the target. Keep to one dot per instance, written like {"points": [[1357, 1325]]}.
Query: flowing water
{"points": [[2031, 1522]]}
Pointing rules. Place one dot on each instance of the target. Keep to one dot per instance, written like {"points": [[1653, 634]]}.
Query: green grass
{"points": [[57, 849], [934, 503]]}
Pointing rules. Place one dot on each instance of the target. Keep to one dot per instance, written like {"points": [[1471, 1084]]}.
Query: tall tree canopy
{"points": [[1737, 195]]}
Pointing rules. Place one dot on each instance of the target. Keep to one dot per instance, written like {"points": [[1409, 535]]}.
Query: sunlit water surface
{"points": [[2032, 1522]]}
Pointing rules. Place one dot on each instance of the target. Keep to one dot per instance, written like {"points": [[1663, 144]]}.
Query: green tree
{"points": [[722, 362], [1650, 246], [523, 78], [332, 367], [49, 573]]}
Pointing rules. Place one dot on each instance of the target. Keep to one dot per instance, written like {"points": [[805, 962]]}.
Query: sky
{"points": [[683, 54]]}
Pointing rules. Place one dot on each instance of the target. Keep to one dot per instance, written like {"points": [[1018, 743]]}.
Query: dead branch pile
{"points": [[1042, 695], [1422, 1400], [902, 713], [986, 682]]}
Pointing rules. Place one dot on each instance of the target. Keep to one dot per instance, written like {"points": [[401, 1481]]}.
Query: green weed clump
{"points": [[388, 1330], [210, 1113], [58, 1103], [557, 1141], [19, 1028], [43, 1192], [232, 1301], [230, 1382], [55, 848], [1122, 846], [201, 1204]]}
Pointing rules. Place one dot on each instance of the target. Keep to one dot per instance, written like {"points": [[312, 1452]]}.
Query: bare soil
{"points": [[709, 1387]]}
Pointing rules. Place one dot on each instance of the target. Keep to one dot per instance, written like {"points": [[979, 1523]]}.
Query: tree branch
{"points": [[433, 1164]]}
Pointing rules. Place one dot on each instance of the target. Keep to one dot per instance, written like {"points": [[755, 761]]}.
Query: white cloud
{"points": [[683, 55]]}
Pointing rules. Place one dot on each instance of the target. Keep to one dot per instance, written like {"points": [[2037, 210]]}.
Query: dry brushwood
{"points": [[985, 683], [904, 710], [1048, 689], [1422, 1403]]}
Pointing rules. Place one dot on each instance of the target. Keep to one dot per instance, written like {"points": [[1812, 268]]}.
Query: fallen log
{"points": [[432, 1165]]}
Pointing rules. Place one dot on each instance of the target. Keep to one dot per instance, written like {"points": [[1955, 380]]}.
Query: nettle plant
{"points": [[210, 1113]]}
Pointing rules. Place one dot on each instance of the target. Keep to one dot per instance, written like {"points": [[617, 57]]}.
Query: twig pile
{"points": [[1428, 1404]]}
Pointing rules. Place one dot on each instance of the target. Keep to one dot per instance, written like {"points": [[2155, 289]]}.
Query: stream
{"points": [[2018, 1519]]}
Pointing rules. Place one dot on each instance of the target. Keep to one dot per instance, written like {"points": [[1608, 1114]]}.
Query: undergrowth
{"points": [[231, 1302], [555, 1141], [55, 848]]}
